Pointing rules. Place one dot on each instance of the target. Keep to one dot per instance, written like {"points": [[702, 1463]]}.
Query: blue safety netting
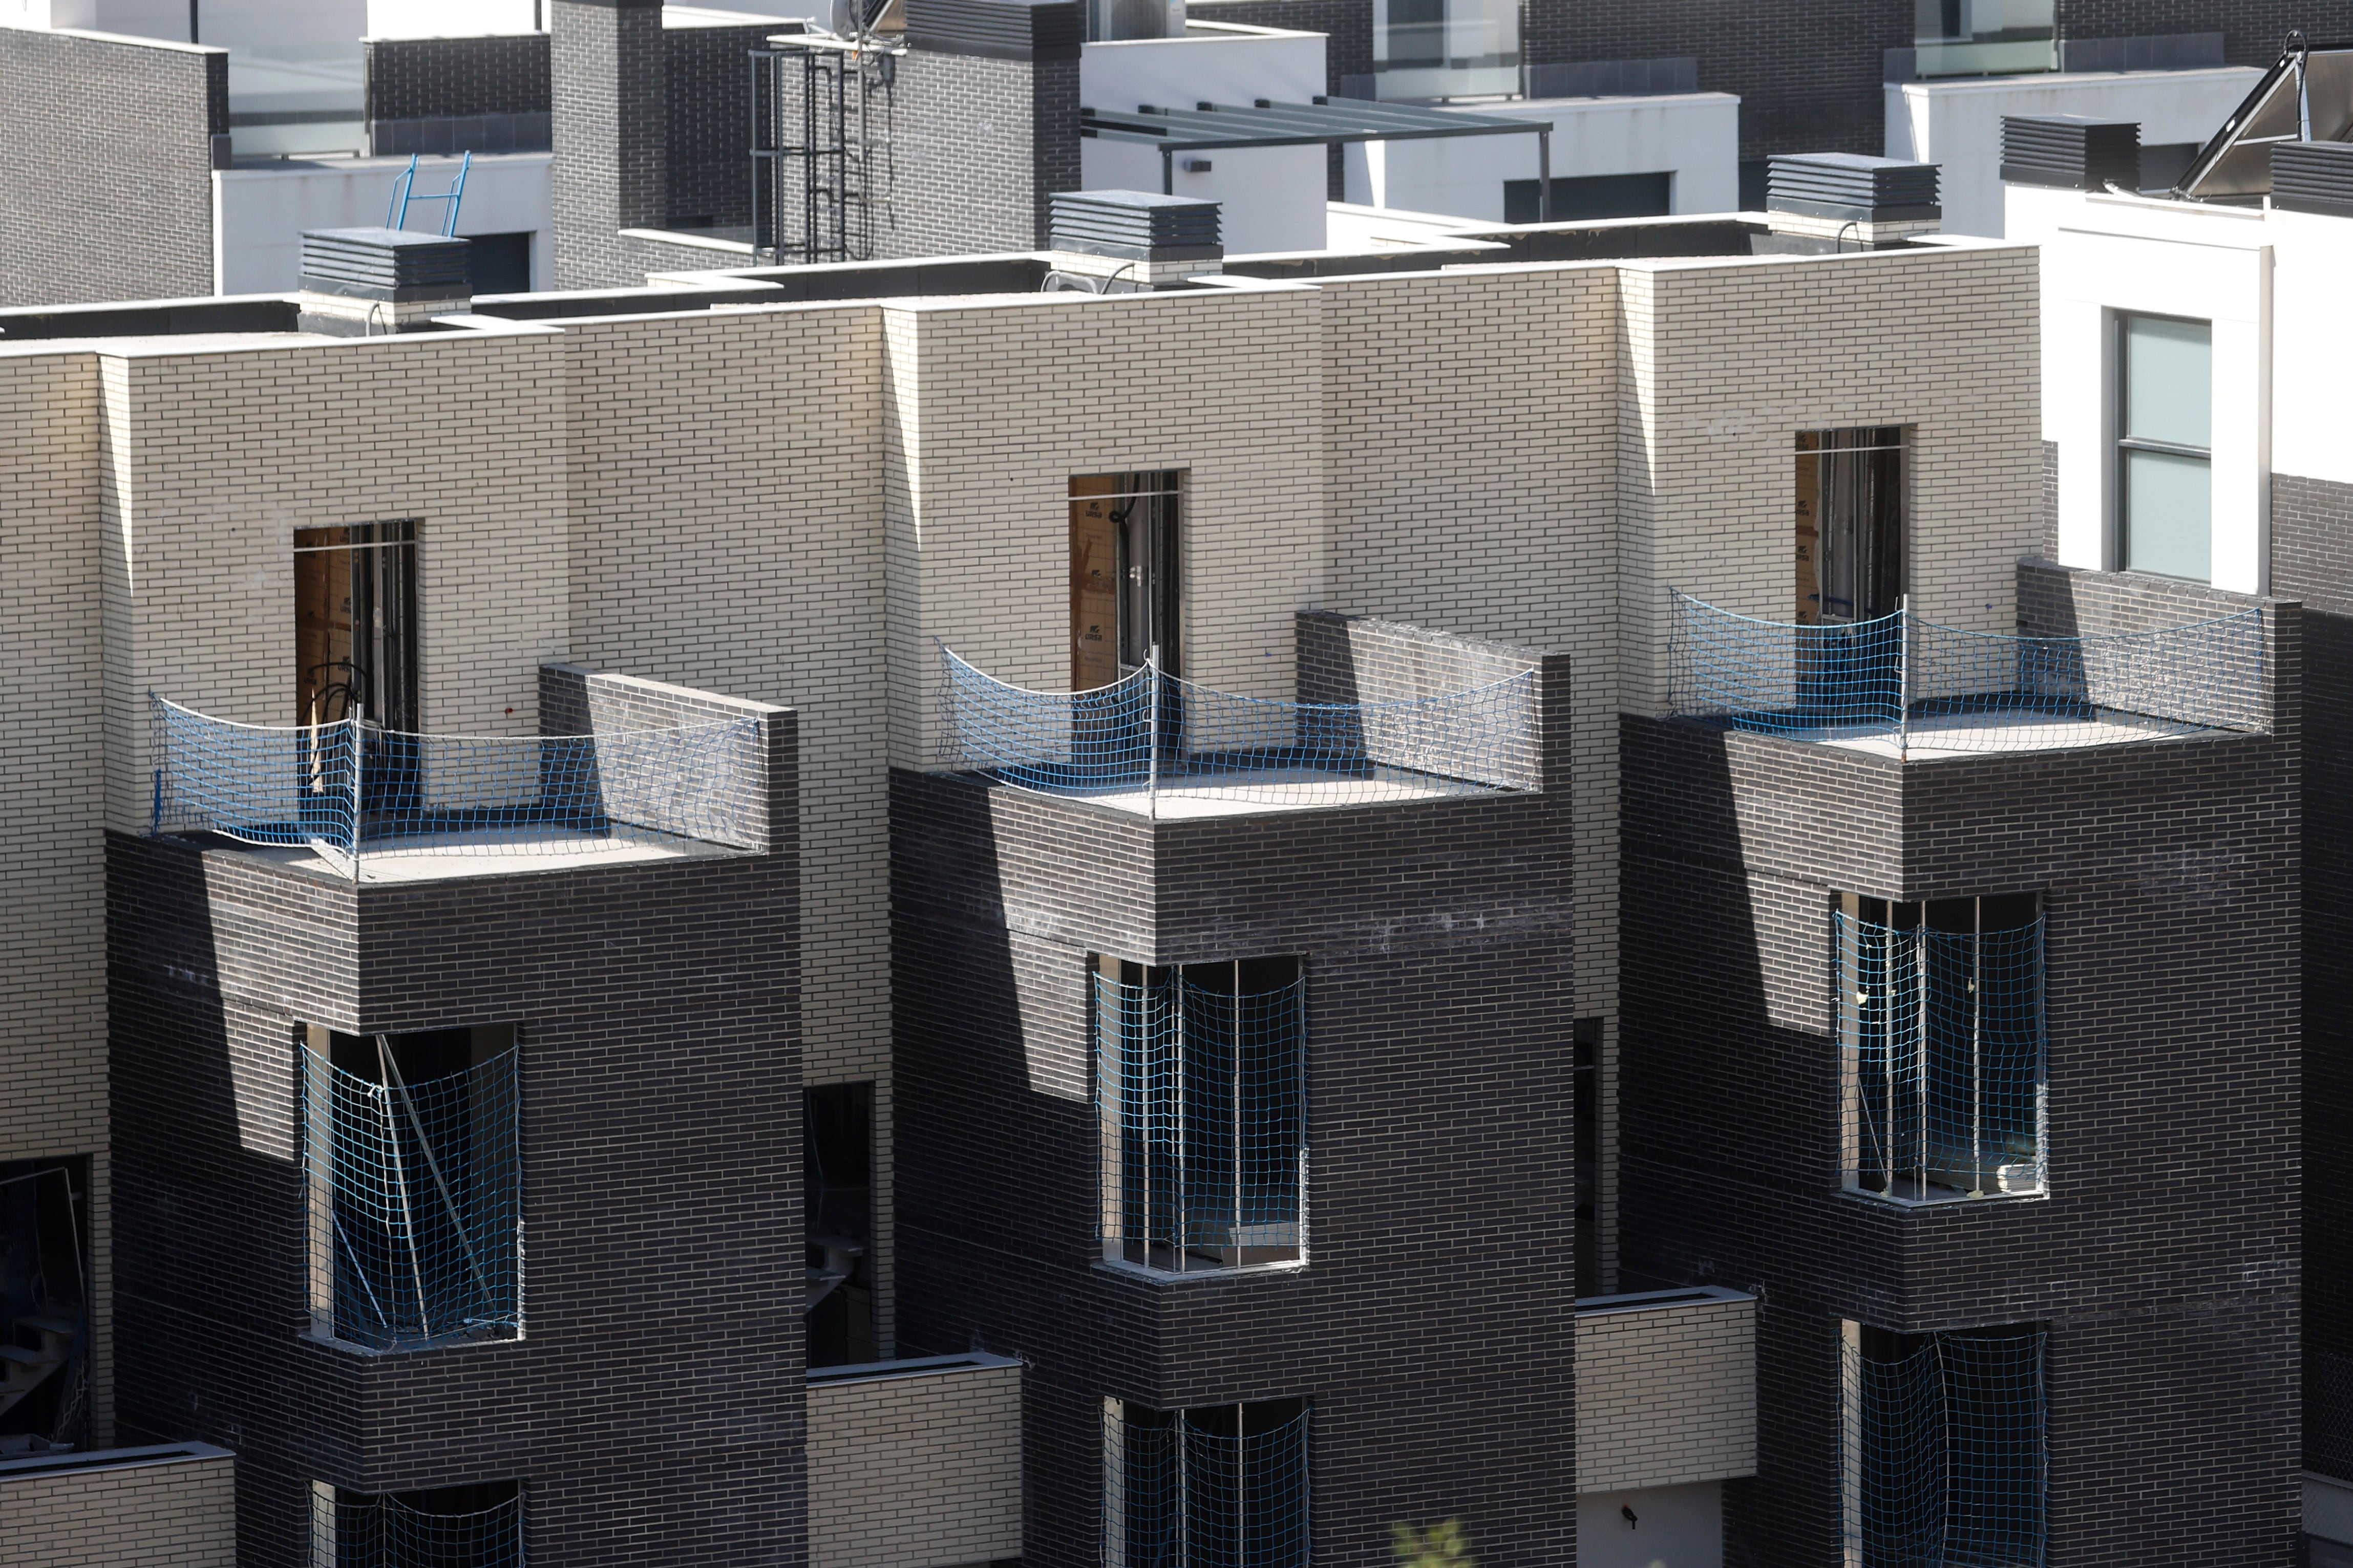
{"points": [[350, 788], [1150, 735], [1202, 1092], [389, 1530], [1926, 685], [1946, 1449], [1944, 1032], [416, 1194], [1222, 1487]]}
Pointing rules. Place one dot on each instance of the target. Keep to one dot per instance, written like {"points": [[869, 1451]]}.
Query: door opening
{"points": [[1850, 524], [355, 624], [1125, 571]]}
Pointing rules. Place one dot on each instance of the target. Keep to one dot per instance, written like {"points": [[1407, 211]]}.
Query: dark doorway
{"points": [[1592, 197], [838, 1186], [498, 263]]}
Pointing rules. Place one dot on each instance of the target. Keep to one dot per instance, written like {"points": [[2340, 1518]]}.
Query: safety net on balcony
{"points": [[1220, 1487], [1944, 1450], [1150, 736], [1944, 1042], [349, 787], [1921, 685], [415, 1201], [1200, 1088], [453, 1529]]}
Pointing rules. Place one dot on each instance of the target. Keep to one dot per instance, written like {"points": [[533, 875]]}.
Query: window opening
{"points": [[413, 1162], [1219, 1486], [355, 624], [1200, 1090], [1940, 1027], [1983, 37], [45, 1299], [1850, 524], [1588, 1115], [1943, 1447], [1446, 49], [2165, 433], [477, 1526], [838, 1187], [1126, 574]]}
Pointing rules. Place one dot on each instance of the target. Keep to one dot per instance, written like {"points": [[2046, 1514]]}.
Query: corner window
{"points": [[1201, 1092], [1983, 37], [1939, 1019], [1943, 1447], [413, 1165], [2165, 437], [1212, 1487]]}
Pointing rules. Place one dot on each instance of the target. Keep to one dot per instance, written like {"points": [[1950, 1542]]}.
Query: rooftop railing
{"points": [[349, 789], [1906, 685], [1158, 744]]}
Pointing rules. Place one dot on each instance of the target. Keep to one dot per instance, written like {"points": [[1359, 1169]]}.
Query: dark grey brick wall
{"points": [[1432, 1328], [2051, 501], [709, 93], [2169, 874], [106, 157], [2312, 559], [2252, 30], [607, 85], [654, 1406], [425, 79], [981, 144]]}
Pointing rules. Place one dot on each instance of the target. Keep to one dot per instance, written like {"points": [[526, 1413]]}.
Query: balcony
{"points": [[658, 772], [1165, 748], [1907, 687], [915, 1463]]}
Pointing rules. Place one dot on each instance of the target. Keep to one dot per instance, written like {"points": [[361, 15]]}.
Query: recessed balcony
{"points": [[1903, 687]]}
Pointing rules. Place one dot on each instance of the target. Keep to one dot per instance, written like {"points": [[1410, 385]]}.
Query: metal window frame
{"points": [[2120, 508]]}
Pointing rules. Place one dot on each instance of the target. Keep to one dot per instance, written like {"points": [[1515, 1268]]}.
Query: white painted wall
{"points": [[260, 213], [1695, 136], [1272, 196], [453, 18], [1957, 124], [131, 18], [1675, 1527], [2243, 269]]}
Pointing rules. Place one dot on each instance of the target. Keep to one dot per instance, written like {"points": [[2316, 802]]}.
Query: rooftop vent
{"points": [[1136, 225], [360, 282], [2071, 152], [2313, 177], [997, 29], [1850, 185]]}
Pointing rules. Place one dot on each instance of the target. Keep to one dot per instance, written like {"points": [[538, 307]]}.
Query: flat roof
{"points": [[1266, 123]]}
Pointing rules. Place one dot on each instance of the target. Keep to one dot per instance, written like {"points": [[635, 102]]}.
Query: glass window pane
{"points": [[2168, 509], [2168, 391]]}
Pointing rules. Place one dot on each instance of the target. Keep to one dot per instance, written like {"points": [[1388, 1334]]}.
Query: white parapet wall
{"points": [[261, 211], [915, 1464], [1273, 197], [1666, 1389], [1692, 138], [1957, 124], [169, 1507]]}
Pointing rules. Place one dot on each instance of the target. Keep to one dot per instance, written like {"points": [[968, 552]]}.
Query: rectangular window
{"points": [[1942, 1447], [475, 1526], [1983, 37], [413, 1162], [1213, 1487], [1126, 569], [355, 624], [838, 1188], [1850, 523], [1446, 49], [1581, 196], [2165, 438], [1939, 1020], [1201, 1093]]}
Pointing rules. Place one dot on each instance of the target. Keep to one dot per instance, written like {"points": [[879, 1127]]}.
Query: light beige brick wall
{"points": [[1730, 359], [992, 409], [1666, 1395], [918, 1470], [726, 479], [176, 1514], [213, 460]]}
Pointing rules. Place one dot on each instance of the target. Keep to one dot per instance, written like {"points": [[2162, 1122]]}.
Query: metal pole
{"points": [[1543, 176], [1977, 1066], [400, 1180], [1920, 1049], [358, 723], [1167, 171], [1235, 1068], [1903, 679], [1152, 757]]}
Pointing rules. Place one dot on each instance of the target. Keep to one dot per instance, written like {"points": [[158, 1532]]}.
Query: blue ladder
{"points": [[404, 186]]}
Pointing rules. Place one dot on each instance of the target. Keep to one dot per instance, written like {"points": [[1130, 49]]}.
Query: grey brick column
{"points": [[609, 92]]}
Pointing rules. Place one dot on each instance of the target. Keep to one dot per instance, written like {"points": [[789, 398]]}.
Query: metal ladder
{"points": [[404, 191]]}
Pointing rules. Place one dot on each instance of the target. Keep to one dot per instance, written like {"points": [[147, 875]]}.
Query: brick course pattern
{"points": [[2170, 879], [144, 1512], [1665, 1395], [106, 189], [1436, 942], [980, 145], [915, 1469], [433, 78], [708, 84], [611, 128]]}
